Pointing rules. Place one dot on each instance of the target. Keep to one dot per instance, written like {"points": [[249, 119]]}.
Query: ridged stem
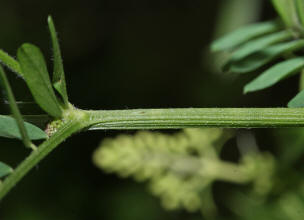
{"points": [[195, 117], [76, 120]]}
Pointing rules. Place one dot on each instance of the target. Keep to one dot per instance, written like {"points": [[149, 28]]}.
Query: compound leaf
{"points": [[264, 56], [37, 78], [244, 34], [256, 45], [275, 74], [58, 74], [5, 170]]}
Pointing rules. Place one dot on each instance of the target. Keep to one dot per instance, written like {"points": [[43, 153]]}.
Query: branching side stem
{"points": [[36, 156]]}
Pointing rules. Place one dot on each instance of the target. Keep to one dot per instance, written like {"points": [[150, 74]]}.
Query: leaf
{"points": [[256, 45], [287, 10], [9, 129], [15, 110], [244, 34], [5, 170], [58, 74], [10, 62], [300, 9], [264, 56], [275, 74], [37, 78], [297, 101]]}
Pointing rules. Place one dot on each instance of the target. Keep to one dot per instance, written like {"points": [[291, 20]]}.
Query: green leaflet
{"points": [[37, 78], [9, 129], [297, 101], [244, 34], [287, 10], [300, 9], [275, 74], [256, 45], [264, 56], [10, 62], [58, 74], [5, 170], [14, 109]]}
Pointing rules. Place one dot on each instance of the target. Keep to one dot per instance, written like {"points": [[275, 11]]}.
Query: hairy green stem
{"points": [[191, 117], [76, 120], [15, 110], [36, 156]]}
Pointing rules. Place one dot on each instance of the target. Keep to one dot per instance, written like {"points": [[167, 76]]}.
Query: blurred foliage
{"points": [[182, 167], [178, 178], [254, 46]]}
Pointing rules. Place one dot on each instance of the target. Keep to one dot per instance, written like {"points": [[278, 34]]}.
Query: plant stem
{"points": [[15, 111], [76, 120], [36, 156], [204, 117]]}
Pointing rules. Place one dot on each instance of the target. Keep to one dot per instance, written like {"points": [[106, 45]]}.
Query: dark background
{"points": [[118, 54]]}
